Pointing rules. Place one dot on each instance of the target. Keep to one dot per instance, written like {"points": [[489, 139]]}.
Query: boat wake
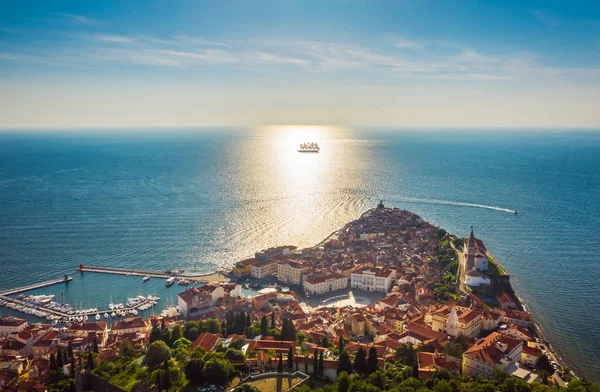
{"points": [[455, 203]]}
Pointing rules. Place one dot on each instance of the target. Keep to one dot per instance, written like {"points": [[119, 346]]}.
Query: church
{"points": [[476, 261]]}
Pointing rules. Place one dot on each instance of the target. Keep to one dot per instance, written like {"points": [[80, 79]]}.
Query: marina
{"points": [[44, 306]]}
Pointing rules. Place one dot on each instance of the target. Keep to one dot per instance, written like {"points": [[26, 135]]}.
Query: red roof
{"points": [[206, 340], [488, 349]]}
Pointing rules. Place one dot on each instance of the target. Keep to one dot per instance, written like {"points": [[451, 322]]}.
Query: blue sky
{"points": [[393, 63]]}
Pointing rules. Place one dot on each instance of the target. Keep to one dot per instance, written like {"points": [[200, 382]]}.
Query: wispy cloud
{"points": [[114, 39], [434, 60], [545, 18], [74, 18], [403, 43]]}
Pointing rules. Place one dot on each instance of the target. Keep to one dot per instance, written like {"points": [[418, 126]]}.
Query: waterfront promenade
{"points": [[199, 278]]}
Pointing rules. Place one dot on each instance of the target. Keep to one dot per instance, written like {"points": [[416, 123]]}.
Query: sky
{"points": [[241, 63]]}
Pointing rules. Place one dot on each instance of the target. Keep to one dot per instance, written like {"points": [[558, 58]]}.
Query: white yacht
{"points": [[146, 278], [309, 147], [170, 281]]}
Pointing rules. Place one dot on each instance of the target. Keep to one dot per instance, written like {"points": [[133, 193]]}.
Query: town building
{"points": [[194, 300], [10, 325], [325, 284], [496, 351], [206, 340], [372, 279], [476, 278], [244, 267], [430, 363], [264, 268], [131, 325], [291, 271]]}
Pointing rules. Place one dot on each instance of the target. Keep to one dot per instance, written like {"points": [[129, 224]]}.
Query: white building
{"points": [[195, 299], [264, 269], [10, 325], [291, 271], [476, 278], [372, 279], [325, 284]]}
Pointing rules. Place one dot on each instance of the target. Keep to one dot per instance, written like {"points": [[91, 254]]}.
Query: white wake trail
{"points": [[454, 203]]}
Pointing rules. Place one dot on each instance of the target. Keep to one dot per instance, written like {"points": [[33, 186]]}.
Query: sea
{"points": [[201, 199]]}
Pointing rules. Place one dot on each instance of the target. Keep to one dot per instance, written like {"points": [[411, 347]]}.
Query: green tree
{"points": [[315, 363], [95, 345], [158, 352], [273, 320], [176, 333], [443, 386], [70, 349], [360, 362], [59, 362], [343, 382], [90, 361], [217, 371], [321, 367], [264, 326], [344, 363], [341, 344], [300, 339], [154, 334], [280, 364], [325, 342], [290, 359], [213, 326], [234, 355], [407, 355], [126, 350], [193, 370], [372, 360], [378, 379], [439, 234], [182, 343], [165, 336], [543, 363], [191, 331], [72, 367], [166, 381]]}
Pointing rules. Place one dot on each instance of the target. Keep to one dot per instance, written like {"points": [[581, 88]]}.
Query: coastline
{"points": [[551, 352], [221, 276]]}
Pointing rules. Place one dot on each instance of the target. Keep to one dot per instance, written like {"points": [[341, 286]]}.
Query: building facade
{"points": [[372, 279], [493, 352], [325, 284], [263, 269], [291, 272]]}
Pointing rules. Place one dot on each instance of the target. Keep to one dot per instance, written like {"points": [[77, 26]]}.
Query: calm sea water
{"points": [[202, 200]]}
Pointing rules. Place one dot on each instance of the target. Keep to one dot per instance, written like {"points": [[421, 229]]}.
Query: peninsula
{"points": [[388, 300]]}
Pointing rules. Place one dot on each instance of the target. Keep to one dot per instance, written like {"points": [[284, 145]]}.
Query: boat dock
{"points": [[17, 290], [201, 278], [70, 314]]}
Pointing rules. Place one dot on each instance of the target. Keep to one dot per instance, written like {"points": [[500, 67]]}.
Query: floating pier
{"points": [[17, 290], [152, 274]]}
